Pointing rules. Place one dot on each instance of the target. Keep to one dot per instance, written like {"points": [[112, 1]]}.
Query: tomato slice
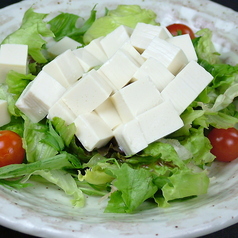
{"points": [[225, 143], [11, 149], [180, 29]]}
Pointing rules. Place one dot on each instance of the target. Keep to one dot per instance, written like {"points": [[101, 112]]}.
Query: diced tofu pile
{"points": [[132, 84]]}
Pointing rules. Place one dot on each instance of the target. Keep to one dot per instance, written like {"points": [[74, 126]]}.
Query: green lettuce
{"points": [[31, 33], [65, 25], [128, 15]]}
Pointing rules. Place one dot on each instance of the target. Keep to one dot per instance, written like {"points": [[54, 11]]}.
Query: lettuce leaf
{"points": [[31, 33], [134, 187], [128, 15], [204, 46], [61, 161], [65, 24], [66, 182]]}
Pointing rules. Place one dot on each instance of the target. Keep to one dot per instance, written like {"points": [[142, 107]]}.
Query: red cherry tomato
{"points": [[225, 143], [180, 29], [11, 150]]}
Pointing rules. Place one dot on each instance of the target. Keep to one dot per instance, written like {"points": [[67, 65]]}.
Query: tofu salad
{"points": [[118, 107]]}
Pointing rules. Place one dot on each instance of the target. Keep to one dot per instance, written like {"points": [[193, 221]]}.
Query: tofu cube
{"points": [[156, 72], [186, 86], [132, 52], [92, 131], [60, 109], [109, 114], [171, 56], [159, 121], [136, 98], [5, 117], [66, 43], [144, 33], [119, 69], [65, 68], [86, 59], [13, 57], [95, 48], [115, 39], [39, 96], [87, 94], [184, 42], [130, 138]]}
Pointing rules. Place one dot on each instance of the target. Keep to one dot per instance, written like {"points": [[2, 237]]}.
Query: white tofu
{"points": [[159, 121], [13, 57], [66, 43], [136, 98], [109, 114], [144, 33], [95, 48], [92, 131], [5, 117], [88, 93], [130, 138], [186, 86], [60, 109], [184, 42], [115, 39], [119, 69], [65, 68], [156, 72], [130, 50], [171, 56], [39, 96], [86, 59]]}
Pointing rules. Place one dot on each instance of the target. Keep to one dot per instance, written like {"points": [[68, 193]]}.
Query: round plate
{"points": [[47, 212]]}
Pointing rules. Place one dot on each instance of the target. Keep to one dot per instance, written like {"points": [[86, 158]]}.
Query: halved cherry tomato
{"points": [[11, 149], [225, 143], [180, 29]]}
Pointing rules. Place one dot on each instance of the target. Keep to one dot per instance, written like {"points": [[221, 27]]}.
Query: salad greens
{"points": [[170, 169]]}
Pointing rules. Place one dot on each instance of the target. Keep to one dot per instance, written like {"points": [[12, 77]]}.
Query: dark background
{"points": [[230, 232]]}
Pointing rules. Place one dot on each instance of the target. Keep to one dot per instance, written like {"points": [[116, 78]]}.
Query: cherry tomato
{"points": [[225, 143], [180, 29], [11, 150]]}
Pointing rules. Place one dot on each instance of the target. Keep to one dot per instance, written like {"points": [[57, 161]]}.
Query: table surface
{"points": [[229, 232]]}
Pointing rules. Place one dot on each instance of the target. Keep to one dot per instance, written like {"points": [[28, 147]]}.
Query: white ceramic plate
{"points": [[45, 211]]}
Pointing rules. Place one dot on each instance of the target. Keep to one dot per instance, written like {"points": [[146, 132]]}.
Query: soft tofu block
{"points": [[86, 59], [119, 69], [95, 48], [144, 33], [171, 56], [13, 57], [115, 39], [5, 117], [186, 86], [159, 121], [65, 68], [88, 93], [184, 42], [60, 109], [66, 43], [130, 50], [130, 138], [136, 98], [92, 131], [39, 96], [108, 113], [156, 72]]}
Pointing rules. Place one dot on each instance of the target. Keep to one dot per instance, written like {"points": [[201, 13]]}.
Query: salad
{"points": [[170, 169]]}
